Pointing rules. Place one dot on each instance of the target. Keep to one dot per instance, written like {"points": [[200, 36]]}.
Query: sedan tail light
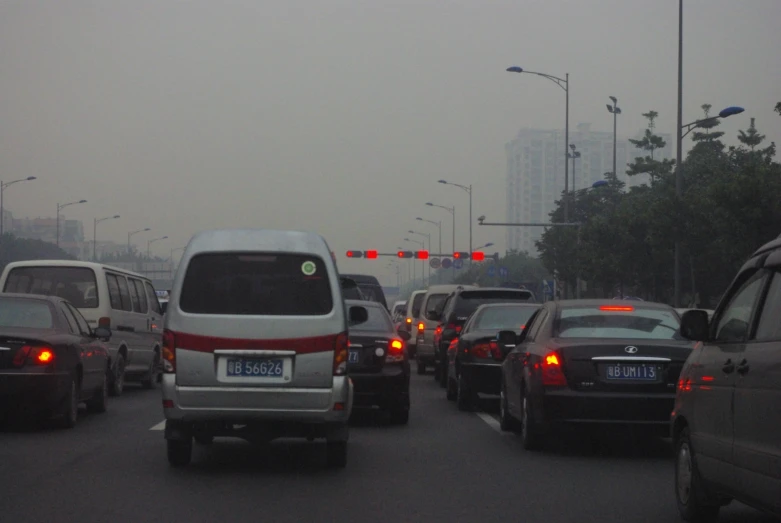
{"points": [[552, 374], [33, 355], [395, 351], [481, 350], [169, 352]]}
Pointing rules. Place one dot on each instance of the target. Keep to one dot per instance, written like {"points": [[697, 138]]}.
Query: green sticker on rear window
{"points": [[308, 268]]}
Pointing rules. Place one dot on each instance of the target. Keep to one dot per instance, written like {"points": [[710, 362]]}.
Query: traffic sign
{"points": [[458, 263], [503, 272], [447, 263], [491, 271], [548, 287], [434, 263]]}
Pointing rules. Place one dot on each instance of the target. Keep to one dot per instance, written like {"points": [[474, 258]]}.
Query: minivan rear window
{"points": [[256, 284], [78, 285], [417, 301]]}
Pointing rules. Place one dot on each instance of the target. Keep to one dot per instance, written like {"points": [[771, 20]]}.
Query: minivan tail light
{"points": [[552, 374], [340, 354], [421, 327], [169, 352], [104, 322]]}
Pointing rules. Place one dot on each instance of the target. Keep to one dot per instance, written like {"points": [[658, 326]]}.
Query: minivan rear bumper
{"points": [[310, 405]]}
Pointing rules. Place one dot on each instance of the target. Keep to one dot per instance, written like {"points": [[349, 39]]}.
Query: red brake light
{"points": [[395, 351], [21, 356], [396, 346], [551, 370], [523, 327], [33, 355], [44, 356], [617, 308], [104, 322], [458, 329], [438, 330], [409, 320], [496, 352], [421, 327], [340, 354], [169, 352], [453, 344], [481, 350]]}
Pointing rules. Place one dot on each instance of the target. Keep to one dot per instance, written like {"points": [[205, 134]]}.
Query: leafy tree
{"points": [[14, 249]]}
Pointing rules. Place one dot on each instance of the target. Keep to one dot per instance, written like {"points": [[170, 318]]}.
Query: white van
{"points": [[255, 343], [106, 296]]}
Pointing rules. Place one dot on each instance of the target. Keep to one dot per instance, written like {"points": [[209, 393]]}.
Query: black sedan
{"points": [[378, 363], [50, 359], [592, 362], [474, 358]]}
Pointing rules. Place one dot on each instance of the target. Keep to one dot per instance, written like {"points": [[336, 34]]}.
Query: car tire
{"points": [[506, 422], [694, 502], [463, 395], [336, 454], [117, 384], [452, 389], [150, 382], [99, 402], [421, 368], [399, 416], [531, 439], [71, 413], [203, 439], [180, 452]]}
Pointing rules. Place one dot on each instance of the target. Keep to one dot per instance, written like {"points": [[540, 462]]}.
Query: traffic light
{"points": [[354, 254], [372, 255], [461, 255], [421, 255], [404, 254], [478, 256]]}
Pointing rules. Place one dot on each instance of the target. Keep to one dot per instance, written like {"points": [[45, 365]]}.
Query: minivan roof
{"points": [[72, 263], [258, 240], [362, 278]]}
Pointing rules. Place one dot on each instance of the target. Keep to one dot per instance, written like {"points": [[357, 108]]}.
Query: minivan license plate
{"points": [[631, 372], [254, 368], [354, 356]]}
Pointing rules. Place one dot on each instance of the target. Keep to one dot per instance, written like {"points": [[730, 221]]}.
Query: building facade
{"points": [[535, 173]]}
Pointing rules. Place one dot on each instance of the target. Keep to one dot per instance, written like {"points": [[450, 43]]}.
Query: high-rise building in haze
{"points": [[535, 173]]}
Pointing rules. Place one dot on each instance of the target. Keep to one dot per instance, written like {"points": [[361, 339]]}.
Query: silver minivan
{"points": [[255, 344], [427, 320]]}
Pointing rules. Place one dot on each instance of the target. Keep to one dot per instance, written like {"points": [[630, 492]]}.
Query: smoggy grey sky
{"points": [[339, 116]]}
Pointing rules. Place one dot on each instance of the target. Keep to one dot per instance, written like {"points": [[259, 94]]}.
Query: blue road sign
{"points": [[458, 263], [503, 272], [547, 287], [446, 263], [492, 271]]}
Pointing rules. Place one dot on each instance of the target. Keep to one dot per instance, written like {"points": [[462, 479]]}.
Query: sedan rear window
{"points": [[78, 285], [469, 301], [256, 284], [378, 321], [25, 314], [501, 318], [618, 322]]}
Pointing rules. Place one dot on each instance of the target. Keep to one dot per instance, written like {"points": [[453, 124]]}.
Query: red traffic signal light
{"points": [[372, 255], [461, 255], [404, 254], [354, 254], [421, 255], [478, 256]]}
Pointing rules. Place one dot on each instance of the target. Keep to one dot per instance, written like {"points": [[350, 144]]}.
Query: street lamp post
{"points": [[422, 246], [150, 242], [452, 211], [468, 190], [616, 110], [564, 84], [428, 238], [61, 206], [575, 154], [3, 185], [95, 233], [439, 226], [131, 233]]}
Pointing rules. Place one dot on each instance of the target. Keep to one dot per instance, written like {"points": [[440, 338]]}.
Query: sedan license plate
{"points": [[254, 368], [354, 356], [632, 372]]}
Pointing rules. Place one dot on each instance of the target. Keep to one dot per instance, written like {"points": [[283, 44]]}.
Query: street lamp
{"points": [[489, 244], [616, 110], [130, 234], [574, 155], [428, 237], [422, 246], [564, 84], [61, 206], [95, 233], [468, 190], [439, 226], [150, 242], [452, 211], [3, 185]]}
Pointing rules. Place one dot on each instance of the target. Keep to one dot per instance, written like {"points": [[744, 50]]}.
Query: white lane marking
{"points": [[491, 421], [159, 426]]}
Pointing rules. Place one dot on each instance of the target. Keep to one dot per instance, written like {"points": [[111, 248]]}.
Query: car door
{"points": [[133, 324], [96, 356], [757, 414], [516, 361], [714, 377], [81, 346]]}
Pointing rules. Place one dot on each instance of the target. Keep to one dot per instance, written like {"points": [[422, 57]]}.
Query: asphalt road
{"points": [[445, 466]]}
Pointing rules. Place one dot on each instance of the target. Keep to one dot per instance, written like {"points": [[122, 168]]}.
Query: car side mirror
{"points": [[102, 333], [358, 315], [404, 335], [507, 341], [695, 325], [432, 315]]}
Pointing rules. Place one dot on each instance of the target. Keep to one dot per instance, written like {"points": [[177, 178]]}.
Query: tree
{"points": [[14, 249]]}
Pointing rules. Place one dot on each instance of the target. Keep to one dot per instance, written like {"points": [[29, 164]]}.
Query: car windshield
{"points": [[627, 321], [256, 284], [500, 318], [22, 313], [75, 284], [378, 321]]}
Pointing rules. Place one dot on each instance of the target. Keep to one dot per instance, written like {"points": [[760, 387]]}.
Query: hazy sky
{"points": [[339, 116]]}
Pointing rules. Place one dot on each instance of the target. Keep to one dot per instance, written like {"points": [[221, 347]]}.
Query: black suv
{"points": [[370, 287], [456, 310]]}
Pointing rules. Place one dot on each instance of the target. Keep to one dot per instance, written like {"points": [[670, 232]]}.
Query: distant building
{"points": [[45, 229], [535, 173]]}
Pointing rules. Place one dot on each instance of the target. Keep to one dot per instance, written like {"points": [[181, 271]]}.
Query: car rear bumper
{"points": [[482, 378], [32, 393], [237, 404], [385, 389], [568, 406]]}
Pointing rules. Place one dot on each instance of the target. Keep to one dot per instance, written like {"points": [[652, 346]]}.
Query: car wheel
{"points": [[71, 413], [530, 436], [99, 402], [204, 439], [399, 416], [421, 368], [154, 373], [336, 454], [463, 395], [180, 452], [118, 382], [452, 389], [506, 422], [694, 502]]}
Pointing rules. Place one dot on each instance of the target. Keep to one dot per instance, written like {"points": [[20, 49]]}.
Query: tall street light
{"points": [[452, 211], [61, 206], [489, 244], [689, 127], [409, 267], [95, 233], [428, 238], [575, 154], [468, 190], [422, 246], [150, 242], [3, 185], [131, 234], [616, 110], [438, 225], [564, 84]]}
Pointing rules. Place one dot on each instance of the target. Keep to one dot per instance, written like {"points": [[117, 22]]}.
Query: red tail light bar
{"points": [[33, 355]]}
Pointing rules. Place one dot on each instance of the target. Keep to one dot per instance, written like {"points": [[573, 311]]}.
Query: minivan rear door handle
{"points": [[728, 367], [743, 367]]}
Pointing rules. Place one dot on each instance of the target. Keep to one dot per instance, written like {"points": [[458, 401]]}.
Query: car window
{"points": [[25, 314], [536, 325], [769, 327], [124, 293], [133, 296], [75, 284], [72, 325], [80, 321], [435, 302], [625, 321], [503, 318], [417, 302], [113, 292], [733, 322], [151, 296], [378, 321], [143, 303], [261, 284]]}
